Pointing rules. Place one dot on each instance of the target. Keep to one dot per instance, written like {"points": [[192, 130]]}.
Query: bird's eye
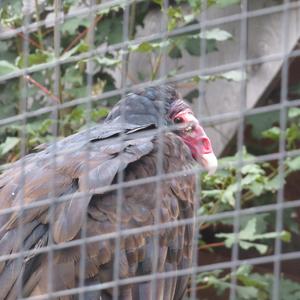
{"points": [[178, 120]]}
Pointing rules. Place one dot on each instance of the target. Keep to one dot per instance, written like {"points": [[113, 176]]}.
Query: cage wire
{"points": [[93, 11]]}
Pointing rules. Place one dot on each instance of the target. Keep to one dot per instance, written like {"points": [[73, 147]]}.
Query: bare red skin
{"points": [[196, 139]]}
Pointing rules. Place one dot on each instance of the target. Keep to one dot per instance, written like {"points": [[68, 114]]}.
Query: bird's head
{"points": [[193, 135], [163, 105]]}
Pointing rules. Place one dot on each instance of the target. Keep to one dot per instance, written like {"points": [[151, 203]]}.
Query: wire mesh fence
{"points": [[122, 210]]}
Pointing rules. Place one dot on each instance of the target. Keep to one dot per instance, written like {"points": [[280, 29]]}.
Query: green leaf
{"points": [[6, 67], [109, 30], [289, 290], [39, 57], [249, 179], [149, 47], [175, 52], [245, 277], [272, 133], [261, 248], [78, 92], [143, 47], [293, 112], [248, 236], [262, 122], [116, 31], [295, 89], [8, 144], [175, 12], [248, 232], [261, 222], [293, 163], [224, 3], [107, 61], [6, 52], [252, 169], [274, 184], [159, 2], [79, 48], [292, 136], [114, 8], [73, 75], [192, 45], [99, 113], [196, 4], [285, 236], [221, 285], [175, 15], [216, 34], [257, 188], [188, 18], [70, 26], [247, 292], [229, 195], [70, 2], [234, 75], [211, 193], [243, 270]]}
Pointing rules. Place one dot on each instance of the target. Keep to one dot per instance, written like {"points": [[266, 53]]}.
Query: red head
{"points": [[193, 135], [157, 104]]}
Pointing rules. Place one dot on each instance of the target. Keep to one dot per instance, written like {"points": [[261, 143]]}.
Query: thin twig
{"points": [[39, 31], [156, 66], [200, 287], [42, 88], [82, 34], [212, 245], [31, 41]]}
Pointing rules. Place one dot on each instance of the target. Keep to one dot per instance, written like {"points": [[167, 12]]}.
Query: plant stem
{"points": [[131, 20], [156, 66], [82, 34], [212, 245], [201, 287], [31, 41], [42, 88], [39, 31]]}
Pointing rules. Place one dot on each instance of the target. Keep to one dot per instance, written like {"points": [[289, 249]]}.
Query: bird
{"points": [[96, 214]]}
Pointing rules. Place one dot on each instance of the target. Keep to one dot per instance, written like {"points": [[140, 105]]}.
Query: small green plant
{"points": [[254, 184]]}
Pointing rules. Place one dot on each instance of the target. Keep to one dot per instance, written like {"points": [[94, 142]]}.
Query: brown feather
{"points": [[95, 215]]}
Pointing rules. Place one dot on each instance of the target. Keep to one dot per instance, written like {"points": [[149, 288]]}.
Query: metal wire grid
{"points": [[242, 63]]}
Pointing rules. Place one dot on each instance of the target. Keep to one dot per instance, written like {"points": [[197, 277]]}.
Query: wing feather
{"points": [[91, 168]]}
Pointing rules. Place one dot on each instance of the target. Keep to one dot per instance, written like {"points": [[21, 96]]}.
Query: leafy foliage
{"points": [[254, 183], [222, 282], [248, 237], [108, 30], [292, 132], [251, 285]]}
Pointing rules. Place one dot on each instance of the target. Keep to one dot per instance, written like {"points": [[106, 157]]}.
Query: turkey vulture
{"points": [[62, 206]]}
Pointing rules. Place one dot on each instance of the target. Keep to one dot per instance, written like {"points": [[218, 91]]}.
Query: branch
{"points": [[156, 67], [42, 88], [82, 34], [31, 41], [39, 31], [199, 287], [212, 245]]}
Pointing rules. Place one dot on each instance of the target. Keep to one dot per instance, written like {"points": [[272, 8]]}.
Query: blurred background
{"points": [[64, 64]]}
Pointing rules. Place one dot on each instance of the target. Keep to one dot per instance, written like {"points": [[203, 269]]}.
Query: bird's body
{"points": [[77, 194]]}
